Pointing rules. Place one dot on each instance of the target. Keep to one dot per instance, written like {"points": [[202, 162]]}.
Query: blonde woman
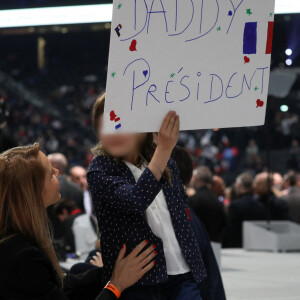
{"points": [[29, 266]]}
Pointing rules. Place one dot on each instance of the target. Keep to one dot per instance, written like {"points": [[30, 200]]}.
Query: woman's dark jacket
{"points": [[27, 274]]}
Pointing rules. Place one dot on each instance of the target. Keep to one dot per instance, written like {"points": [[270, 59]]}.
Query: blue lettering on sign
{"points": [[134, 86], [220, 87], [147, 10]]}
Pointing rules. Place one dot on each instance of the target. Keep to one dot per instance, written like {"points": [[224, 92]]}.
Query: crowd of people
{"points": [[221, 208], [113, 203]]}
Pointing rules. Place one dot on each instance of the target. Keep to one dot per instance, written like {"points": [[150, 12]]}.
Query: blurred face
{"points": [[78, 175], [121, 145], [50, 192], [278, 181], [218, 187]]}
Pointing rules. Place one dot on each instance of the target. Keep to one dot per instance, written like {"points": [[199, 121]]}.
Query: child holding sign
{"points": [[138, 194]]}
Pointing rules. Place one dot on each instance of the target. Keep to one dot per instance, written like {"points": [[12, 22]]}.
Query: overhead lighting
{"points": [[284, 108], [288, 52], [287, 6], [79, 14], [84, 14]]}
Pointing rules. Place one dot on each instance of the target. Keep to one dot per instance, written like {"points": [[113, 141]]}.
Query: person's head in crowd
{"points": [[278, 181], [295, 143], [65, 208], [218, 186], [78, 176], [202, 176], [184, 163], [243, 184], [263, 183], [230, 195], [289, 179], [252, 143], [137, 147], [28, 185], [59, 162]]}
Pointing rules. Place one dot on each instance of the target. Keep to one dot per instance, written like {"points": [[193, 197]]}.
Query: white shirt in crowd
{"points": [[159, 220], [87, 202]]}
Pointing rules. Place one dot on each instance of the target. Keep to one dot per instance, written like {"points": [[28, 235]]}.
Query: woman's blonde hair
{"points": [[22, 210], [147, 147]]}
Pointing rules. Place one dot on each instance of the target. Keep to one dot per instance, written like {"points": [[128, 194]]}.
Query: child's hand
{"points": [[128, 270], [169, 132]]}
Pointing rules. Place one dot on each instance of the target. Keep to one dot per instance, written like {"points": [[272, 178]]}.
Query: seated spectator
{"points": [[29, 266], [78, 176], [293, 198], [206, 205], [244, 208], [277, 208]]}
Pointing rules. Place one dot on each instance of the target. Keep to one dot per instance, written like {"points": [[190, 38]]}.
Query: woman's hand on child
{"points": [[128, 270], [169, 132]]}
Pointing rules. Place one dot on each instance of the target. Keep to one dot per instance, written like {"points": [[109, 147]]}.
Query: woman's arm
{"points": [[105, 185], [35, 277]]}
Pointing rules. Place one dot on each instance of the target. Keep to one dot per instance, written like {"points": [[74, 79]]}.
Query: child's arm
{"points": [[107, 186], [167, 139]]}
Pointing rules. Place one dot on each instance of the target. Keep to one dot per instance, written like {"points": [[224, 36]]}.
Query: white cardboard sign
{"points": [[209, 60]]}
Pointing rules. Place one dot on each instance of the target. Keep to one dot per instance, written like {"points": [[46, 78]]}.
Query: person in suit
{"points": [[206, 205], [137, 192], [276, 208], [78, 176], [244, 208], [292, 199], [211, 288], [29, 266], [68, 189]]}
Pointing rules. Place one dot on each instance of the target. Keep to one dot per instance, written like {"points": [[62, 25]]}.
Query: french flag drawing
{"points": [[116, 119], [250, 38]]}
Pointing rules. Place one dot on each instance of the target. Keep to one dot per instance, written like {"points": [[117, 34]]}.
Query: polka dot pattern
{"points": [[120, 204]]}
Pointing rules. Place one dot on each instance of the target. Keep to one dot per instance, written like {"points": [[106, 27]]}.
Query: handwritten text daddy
{"points": [[174, 23]]}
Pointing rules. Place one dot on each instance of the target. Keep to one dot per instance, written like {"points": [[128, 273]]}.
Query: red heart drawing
{"points": [[259, 103], [112, 115], [246, 59], [133, 45]]}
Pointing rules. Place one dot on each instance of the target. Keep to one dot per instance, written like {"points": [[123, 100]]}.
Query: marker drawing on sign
{"points": [[270, 37], [246, 59], [234, 12], [219, 81], [145, 73], [259, 103], [116, 119], [117, 30], [250, 38], [133, 45], [249, 12]]}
